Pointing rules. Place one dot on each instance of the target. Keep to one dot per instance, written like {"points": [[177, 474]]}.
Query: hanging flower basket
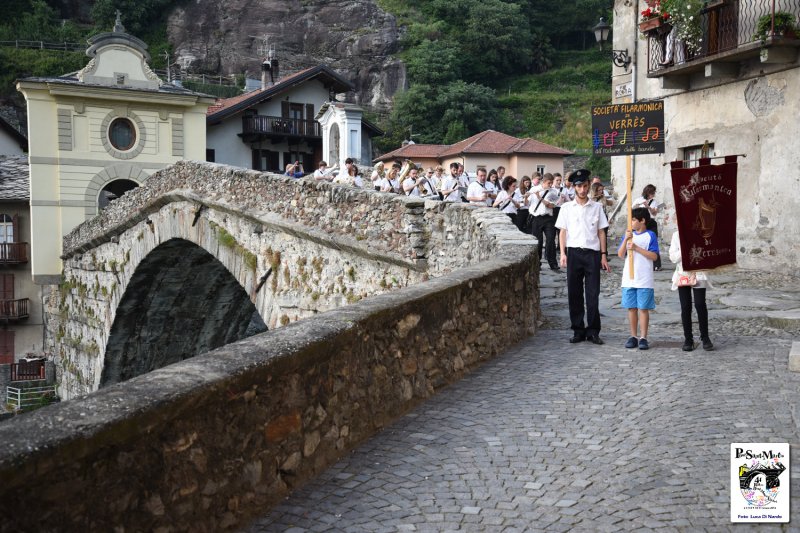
{"points": [[650, 24]]}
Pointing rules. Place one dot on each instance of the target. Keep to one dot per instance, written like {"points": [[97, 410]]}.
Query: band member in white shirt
{"points": [[410, 186], [449, 186], [322, 172], [391, 183], [543, 220], [584, 253], [506, 200], [476, 192]]}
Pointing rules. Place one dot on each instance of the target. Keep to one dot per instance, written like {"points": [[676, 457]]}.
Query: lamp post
{"points": [[601, 32]]}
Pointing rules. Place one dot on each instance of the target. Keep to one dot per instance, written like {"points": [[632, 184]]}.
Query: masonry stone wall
{"points": [[295, 247], [207, 443]]}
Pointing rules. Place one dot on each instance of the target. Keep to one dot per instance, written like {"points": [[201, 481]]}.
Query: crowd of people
{"points": [[569, 213]]}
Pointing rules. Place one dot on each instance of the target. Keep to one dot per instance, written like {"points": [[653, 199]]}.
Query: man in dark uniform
{"points": [[584, 252]]}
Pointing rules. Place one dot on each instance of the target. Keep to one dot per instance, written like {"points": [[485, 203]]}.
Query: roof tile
{"points": [[14, 178], [485, 142]]}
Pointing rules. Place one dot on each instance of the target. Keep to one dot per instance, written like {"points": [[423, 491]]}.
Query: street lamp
{"points": [[601, 32]]}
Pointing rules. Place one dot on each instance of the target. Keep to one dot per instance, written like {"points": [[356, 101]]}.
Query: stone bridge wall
{"points": [[207, 443], [327, 246]]}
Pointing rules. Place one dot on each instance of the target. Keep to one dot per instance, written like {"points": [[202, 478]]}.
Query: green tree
{"points": [[497, 41], [434, 62], [446, 113]]}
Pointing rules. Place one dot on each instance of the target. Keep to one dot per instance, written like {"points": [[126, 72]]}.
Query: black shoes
{"points": [[690, 345], [555, 268], [594, 339]]}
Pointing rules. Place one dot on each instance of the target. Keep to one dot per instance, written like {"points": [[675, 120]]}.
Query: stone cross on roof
{"points": [[118, 27]]}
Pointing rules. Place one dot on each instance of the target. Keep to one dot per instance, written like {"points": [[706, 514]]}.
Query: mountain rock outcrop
{"points": [[354, 37]]}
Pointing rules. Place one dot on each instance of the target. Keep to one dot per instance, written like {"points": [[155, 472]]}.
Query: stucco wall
{"points": [[9, 145], [231, 150], [68, 150]]}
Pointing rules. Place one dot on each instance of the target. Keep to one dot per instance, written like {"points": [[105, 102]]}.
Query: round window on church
{"points": [[122, 134]]}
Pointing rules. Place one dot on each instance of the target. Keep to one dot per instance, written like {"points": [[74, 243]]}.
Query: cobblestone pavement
{"points": [[554, 437]]}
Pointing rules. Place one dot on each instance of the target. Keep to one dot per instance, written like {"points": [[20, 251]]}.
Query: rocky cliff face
{"points": [[354, 37]]}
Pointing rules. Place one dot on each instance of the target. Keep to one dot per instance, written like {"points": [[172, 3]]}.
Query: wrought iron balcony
{"points": [[267, 126], [13, 253], [14, 309], [730, 34]]}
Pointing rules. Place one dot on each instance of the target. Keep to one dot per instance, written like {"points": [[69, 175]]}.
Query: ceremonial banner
{"points": [[705, 207]]}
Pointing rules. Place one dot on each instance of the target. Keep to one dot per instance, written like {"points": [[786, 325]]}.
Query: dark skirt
{"points": [[522, 220]]}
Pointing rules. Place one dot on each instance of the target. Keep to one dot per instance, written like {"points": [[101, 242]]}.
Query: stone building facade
{"points": [[736, 92]]}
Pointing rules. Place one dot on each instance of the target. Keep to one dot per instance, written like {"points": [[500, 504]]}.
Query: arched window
{"points": [[113, 190], [6, 228]]}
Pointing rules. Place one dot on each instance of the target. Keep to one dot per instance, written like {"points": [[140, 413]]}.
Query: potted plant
{"points": [[785, 26], [652, 17], [686, 20]]}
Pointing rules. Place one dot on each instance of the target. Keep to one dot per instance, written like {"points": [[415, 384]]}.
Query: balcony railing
{"points": [[28, 371], [13, 252], [280, 126], [14, 309], [727, 25]]}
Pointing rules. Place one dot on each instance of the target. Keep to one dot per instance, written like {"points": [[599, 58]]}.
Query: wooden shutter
{"points": [[6, 347], [6, 286], [15, 229], [272, 161], [256, 159], [284, 109], [309, 123]]}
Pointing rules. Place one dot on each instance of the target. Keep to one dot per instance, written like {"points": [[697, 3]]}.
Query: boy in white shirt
{"points": [[637, 293]]}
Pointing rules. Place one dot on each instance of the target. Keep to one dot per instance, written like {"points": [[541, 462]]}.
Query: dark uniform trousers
{"points": [[583, 277], [546, 225]]}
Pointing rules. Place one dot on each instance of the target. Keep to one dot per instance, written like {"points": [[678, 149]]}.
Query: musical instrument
{"points": [[406, 168]]}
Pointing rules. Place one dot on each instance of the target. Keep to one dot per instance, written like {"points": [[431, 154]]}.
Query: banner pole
{"points": [[628, 184]]}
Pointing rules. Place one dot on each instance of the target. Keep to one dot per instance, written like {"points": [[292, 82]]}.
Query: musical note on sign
{"points": [[647, 134], [596, 138], [624, 137], [610, 135]]}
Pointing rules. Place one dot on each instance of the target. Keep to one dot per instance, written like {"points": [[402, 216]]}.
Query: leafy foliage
{"points": [[445, 113], [555, 107], [485, 44]]}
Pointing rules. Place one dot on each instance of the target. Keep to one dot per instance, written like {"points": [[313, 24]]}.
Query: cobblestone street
{"points": [[552, 436]]}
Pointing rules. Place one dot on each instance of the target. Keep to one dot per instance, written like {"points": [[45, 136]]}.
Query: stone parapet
{"points": [[386, 221], [205, 444]]}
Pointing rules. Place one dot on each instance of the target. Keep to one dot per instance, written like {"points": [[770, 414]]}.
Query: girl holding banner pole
{"points": [[690, 285]]}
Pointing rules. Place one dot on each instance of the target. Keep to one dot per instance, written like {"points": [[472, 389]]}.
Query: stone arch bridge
{"points": [[203, 255], [373, 303]]}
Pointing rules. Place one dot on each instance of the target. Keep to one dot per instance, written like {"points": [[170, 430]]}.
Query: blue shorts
{"points": [[633, 298]]}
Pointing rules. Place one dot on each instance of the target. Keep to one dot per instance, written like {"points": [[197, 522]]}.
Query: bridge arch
{"points": [[180, 302], [295, 247]]}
